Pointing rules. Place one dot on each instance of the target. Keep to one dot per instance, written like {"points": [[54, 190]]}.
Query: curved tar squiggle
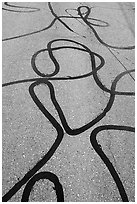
{"points": [[43, 175], [85, 19], [47, 78], [47, 156], [15, 8], [105, 159]]}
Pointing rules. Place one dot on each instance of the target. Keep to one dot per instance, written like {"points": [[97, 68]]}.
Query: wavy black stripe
{"points": [[85, 19], [43, 175], [104, 23], [28, 9], [48, 155], [94, 68], [57, 67], [45, 80], [91, 123], [105, 159]]}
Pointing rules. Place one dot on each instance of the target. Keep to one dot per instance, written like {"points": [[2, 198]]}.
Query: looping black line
{"points": [[101, 23], [28, 9], [91, 123], [105, 159], [31, 177], [84, 18], [43, 175], [48, 155], [17, 186], [56, 64]]}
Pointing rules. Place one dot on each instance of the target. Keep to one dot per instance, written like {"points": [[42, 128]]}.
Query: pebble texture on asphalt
{"points": [[68, 102]]}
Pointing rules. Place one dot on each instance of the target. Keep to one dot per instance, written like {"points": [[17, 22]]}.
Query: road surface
{"points": [[68, 101]]}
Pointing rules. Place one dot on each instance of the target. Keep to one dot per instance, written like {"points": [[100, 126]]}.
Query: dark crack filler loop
{"points": [[98, 82], [90, 25], [50, 50], [43, 175], [105, 159], [46, 79], [47, 156], [101, 23], [20, 9], [84, 16]]}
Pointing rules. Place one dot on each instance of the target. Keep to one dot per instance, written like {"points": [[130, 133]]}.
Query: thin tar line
{"points": [[120, 63]]}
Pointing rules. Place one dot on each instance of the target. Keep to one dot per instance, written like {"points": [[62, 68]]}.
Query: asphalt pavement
{"points": [[68, 101]]}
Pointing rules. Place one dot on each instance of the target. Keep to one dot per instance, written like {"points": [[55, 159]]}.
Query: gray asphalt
{"points": [[27, 133]]}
